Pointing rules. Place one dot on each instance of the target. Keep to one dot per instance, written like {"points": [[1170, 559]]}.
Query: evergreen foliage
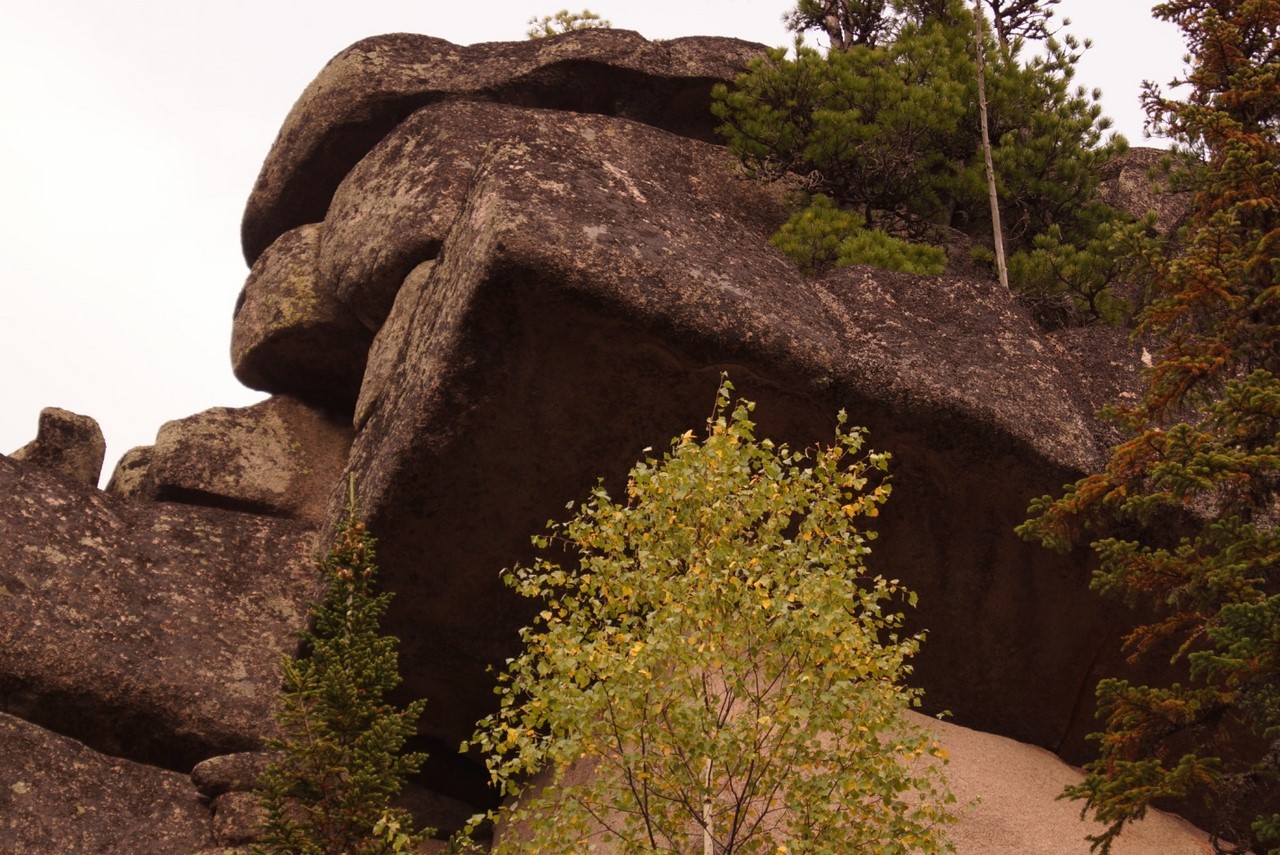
{"points": [[888, 127], [821, 237], [1071, 284], [341, 761], [720, 653], [564, 21], [1184, 517], [1022, 19]]}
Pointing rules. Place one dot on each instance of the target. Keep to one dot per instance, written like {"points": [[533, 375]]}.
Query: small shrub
{"points": [[822, 236], [563, 22]]}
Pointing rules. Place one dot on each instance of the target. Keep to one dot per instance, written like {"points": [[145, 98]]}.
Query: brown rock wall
{"points": [[581, 309], [57, 795], [146, 630]]}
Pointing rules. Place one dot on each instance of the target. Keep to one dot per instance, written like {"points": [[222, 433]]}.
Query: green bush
{"points": [[717, 649], [821, 236], [1071, 284], [887, 252]]}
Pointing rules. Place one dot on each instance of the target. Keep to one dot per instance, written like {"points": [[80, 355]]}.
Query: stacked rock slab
{"points": [[554, 290], [150, 631], [366, 90], [56, 795]]}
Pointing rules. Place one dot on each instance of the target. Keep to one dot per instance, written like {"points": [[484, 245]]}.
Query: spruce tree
{"points": [[1185, 517], [340, 760]]}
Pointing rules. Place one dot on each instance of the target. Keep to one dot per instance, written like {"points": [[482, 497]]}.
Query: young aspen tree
{"points": [[718, 661]]}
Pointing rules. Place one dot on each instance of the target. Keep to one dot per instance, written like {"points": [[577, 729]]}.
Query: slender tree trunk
{"points": [[997, 232], [708, 842]]}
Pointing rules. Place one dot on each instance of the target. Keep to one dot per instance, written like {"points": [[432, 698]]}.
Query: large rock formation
{"points": [[366, 90], [585, 303], [483, 278]]}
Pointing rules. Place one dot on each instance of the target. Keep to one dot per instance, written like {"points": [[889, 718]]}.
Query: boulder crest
{"points": [[68, 444], [370, 87]]}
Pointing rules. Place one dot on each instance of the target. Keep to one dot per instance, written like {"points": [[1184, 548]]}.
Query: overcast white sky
{"points": [[133, 131]]}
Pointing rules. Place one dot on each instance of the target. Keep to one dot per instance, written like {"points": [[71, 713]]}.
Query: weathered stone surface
{"points": [[1132, 182], [278, 457], [291, 335], [148, 631], [392, 211], [237, 772], [581, 309], [129, 479], [237, 818], [57, 795], [67, 443], [370, 87], [1110, 371]]}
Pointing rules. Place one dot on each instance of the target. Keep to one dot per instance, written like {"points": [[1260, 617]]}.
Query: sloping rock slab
{"points": [[370, 87], [1007, 794], [279, 457], [395, 207], [582, 309], [56, 795], [148, 631], [1006, 803]]}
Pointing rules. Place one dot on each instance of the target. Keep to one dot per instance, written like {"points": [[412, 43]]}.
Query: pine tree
{"points": [[845, 22], [564, 21], [1021, 19], [890, 129], [1185, 517], [341, 762]]}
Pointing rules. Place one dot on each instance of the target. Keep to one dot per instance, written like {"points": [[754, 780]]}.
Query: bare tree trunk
{"points": [[997, 232], [708, 842]]}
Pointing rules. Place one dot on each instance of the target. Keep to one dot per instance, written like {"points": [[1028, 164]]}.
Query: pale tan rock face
{"points": [[1008, 797], [1006, 803]]}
